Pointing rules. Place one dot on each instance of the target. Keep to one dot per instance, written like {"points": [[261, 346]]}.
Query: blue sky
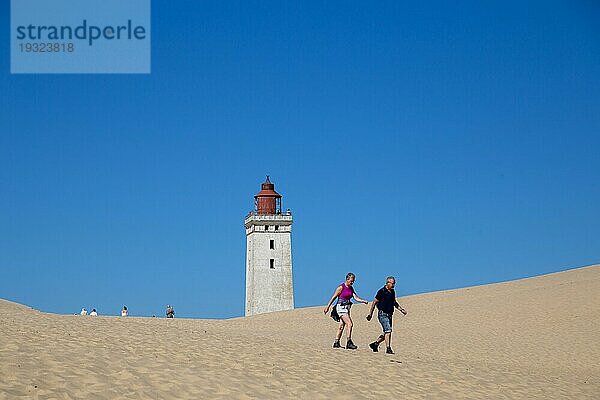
{"points": [[447, 144]]}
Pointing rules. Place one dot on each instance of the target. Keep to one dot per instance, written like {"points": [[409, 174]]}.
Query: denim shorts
{"points": [[343, 309], [385, 320]]}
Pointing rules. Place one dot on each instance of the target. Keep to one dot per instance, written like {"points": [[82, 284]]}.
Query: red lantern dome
{"points": [[267, 201]]}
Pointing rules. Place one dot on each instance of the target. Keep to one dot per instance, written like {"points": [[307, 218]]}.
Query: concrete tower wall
{"points": [[269, 284]]}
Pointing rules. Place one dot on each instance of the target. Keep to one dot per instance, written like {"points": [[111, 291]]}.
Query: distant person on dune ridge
{"points": [[344, 293], [170, 311], [385, 300], [83, 311], [124, 312], [94, 313]]}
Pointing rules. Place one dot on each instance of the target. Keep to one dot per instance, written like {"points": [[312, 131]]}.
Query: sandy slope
{"points": [[533, 338]]}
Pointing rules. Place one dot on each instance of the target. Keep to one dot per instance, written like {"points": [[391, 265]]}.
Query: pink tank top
{"points": [[347, 292]]}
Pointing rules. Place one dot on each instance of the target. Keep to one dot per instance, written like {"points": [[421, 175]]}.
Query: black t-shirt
{"points": [[387, 300]]}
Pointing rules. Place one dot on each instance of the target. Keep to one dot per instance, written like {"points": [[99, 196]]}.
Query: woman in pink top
{"points": [[344, 293]]}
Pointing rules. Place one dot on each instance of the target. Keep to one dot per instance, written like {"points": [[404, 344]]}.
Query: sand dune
{"points": [[532, 338]]}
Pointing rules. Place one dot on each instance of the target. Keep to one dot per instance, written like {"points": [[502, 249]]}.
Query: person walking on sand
{"points": [[83, 311], [94, 313], [124, 312], [385, 300], [170, 311], [344, 294]]}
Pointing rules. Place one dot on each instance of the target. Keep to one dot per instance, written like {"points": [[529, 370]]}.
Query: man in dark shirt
{"points": [[170, 311], [385, 299]]}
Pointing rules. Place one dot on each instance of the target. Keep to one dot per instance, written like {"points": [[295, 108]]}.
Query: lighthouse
{"points": [[268, 254]]}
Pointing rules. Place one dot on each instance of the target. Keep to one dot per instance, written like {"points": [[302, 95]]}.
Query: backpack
{"points": [[334, 314]]}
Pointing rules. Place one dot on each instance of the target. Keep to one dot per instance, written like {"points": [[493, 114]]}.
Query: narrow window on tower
{"points": [[266, 227], [271, 244], [276, 227], [272, 263]]}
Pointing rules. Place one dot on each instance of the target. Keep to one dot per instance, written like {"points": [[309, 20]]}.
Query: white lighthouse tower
{"points": [[268, 254]]}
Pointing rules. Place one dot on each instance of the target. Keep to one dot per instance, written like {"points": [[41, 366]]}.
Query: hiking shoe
{"points": [[350, 345], [374, 346], [389, 351], [336, 344]]}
